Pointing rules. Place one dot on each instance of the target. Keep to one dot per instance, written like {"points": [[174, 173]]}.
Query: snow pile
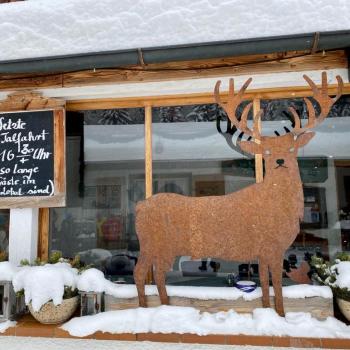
{"points": [[7, 271], [59, 27], [44, 283], [305, 291], [93, 280], [342, 270], [5, 325], [175, 319]]}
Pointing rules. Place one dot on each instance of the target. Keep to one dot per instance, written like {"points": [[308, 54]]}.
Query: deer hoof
{"points": [[281, 312], [142, 303], [266, 304]]}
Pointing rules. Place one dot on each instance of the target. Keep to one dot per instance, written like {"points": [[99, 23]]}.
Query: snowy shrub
{"points": [[335, 275], [52, 280]]}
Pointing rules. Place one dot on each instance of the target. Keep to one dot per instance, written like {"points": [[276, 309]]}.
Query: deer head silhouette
{"points": [[258, 222]]}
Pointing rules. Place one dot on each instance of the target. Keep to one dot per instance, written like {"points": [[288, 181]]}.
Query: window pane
{"points": [[105, 179], [1, 299], [194, 155], [324, 165], [4, 233]]}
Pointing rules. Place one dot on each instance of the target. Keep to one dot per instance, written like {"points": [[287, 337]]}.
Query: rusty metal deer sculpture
{"points": [[258, 222]]}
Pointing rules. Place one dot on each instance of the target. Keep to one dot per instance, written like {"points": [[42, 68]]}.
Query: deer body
{"points": [[258, 222], [226, 216]]}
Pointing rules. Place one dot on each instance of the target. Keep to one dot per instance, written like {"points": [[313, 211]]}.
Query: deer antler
{"points": [[325, 102], [232, 104]]}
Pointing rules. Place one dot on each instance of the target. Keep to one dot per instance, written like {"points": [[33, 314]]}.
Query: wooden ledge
{"points": [[28, 327]]}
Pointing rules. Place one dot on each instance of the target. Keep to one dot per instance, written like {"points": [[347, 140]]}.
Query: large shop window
{"points": [[194, 154]]}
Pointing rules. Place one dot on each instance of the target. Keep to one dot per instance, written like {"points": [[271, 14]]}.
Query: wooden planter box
{"points": [[319, 307]]}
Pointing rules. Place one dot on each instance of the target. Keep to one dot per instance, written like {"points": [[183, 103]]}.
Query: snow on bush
{"points": [[7, 271], [93, 280], [44, 283], [59, 27], [175, 319], [342, 270]]}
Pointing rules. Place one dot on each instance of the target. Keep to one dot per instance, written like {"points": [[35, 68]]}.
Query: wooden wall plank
{"points": [[319, 307]]}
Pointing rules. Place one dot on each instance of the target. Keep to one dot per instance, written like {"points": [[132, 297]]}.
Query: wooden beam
{"points": [[148, 151], [192, 99], [319, 61], [228, 66], [259, 166], [60, 152], [148, 168], [29, 100], [44, 229], [30, 82]]}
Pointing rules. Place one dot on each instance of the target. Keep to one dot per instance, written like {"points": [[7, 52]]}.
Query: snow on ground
{"points": [[6, 324], [93, 280], [176, 319], [20, 343], [39, 28]]}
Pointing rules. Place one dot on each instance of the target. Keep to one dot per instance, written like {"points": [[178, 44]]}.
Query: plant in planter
{"points": [[337, 276], [50, 288]]}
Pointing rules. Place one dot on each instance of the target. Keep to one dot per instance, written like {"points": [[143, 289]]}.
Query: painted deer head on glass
{"points": [[258, 222]]}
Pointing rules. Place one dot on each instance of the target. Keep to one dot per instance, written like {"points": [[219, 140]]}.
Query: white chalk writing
{"points": [[26, 154]]}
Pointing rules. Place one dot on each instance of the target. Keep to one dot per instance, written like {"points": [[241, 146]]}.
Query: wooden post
{"points": [[259, 167], [148, 167], [44, 228], [148, 151]]}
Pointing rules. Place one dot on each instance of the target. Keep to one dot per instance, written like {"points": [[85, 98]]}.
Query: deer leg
{"points": [[140, 273], [264, 282], [276, 274], [159, 278]]}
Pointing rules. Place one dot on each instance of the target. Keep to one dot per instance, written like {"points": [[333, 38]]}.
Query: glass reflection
{"points": [[105, 161]]}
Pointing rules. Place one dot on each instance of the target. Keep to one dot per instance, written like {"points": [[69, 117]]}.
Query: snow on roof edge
{"points": [[40, 28]]}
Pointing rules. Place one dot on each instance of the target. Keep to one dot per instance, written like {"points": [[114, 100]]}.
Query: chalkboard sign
{"points": [[29, 145]]}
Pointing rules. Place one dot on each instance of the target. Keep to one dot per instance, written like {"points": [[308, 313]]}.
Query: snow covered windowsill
{"points": [[93, 280]]}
